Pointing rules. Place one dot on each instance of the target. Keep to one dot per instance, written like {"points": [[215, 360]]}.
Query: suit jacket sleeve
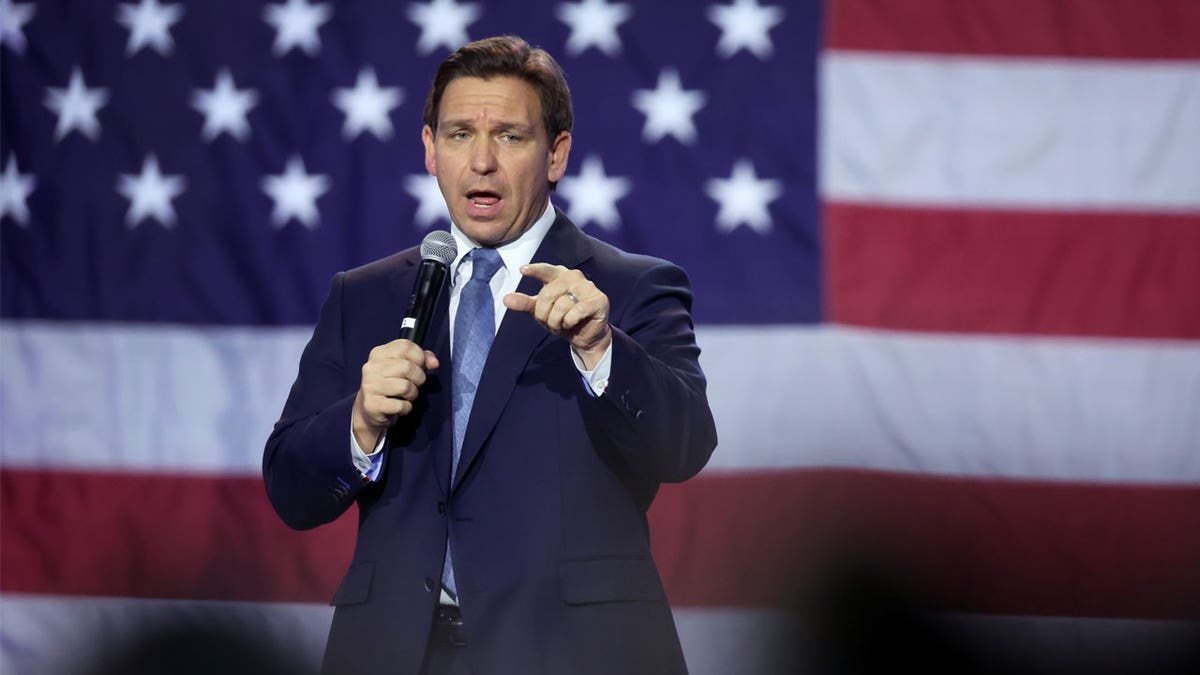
{"points": [[307, 466], [655, 411]]}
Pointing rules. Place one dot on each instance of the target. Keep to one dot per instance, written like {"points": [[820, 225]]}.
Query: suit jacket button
{"points": [[441, 507], [429, 585]]}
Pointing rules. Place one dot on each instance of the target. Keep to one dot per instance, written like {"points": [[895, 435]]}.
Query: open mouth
{"points": [[483, 199]]}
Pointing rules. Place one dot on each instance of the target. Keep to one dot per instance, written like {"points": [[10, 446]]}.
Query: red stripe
{"points": [[723, 540], [1105, 274], [161, 536], [1120, 29], [967, 545]]}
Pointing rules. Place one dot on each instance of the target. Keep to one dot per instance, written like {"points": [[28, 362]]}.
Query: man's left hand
{"points": [[569, 306]]}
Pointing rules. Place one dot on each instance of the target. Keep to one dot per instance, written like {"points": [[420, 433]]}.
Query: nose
{"points": [[483, 156]]}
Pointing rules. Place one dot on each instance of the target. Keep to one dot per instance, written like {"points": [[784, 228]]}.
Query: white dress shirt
{"points": [[514, 254]]}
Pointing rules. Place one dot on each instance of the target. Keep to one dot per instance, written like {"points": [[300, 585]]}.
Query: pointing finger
{"points": [[543, 272]]}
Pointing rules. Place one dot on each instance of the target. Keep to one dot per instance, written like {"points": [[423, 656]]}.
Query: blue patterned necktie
{"points": [[474, 330]]}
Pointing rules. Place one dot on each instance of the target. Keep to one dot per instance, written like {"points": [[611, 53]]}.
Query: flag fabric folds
{"points": [[946, 259]]}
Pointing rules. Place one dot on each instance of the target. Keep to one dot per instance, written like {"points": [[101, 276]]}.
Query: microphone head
{"points": [[439, 246]]}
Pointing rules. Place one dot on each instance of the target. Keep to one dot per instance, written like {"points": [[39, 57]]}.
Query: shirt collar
{"points": [[515, 253]]}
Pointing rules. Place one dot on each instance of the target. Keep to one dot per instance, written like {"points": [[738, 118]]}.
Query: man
{"points": [[502, 475]]}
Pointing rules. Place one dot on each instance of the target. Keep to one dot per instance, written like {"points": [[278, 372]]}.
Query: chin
{"points": [[485, 234]]}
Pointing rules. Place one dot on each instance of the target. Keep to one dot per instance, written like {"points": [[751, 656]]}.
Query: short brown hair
{"points": [[507, 55]]}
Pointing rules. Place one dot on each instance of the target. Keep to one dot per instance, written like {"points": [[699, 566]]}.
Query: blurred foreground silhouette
{"points": [[862, 615], [192, 648]]}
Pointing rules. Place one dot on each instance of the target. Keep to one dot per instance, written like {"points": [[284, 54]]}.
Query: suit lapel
{"points": [[517, 339], [435, 411]]}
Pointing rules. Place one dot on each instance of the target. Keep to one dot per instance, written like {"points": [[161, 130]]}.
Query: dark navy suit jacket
{"points": [[546, 515]]}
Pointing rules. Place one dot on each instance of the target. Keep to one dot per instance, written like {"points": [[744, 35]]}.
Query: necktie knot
{"points": [[484, 263]]}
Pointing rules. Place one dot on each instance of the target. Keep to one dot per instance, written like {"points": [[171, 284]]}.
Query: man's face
{"points": [[492, 157]]}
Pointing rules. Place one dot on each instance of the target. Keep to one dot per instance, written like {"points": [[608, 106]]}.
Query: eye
{"points": [[510, 138], [459, 135]]}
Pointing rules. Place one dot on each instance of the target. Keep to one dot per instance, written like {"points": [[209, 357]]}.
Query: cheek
{"points": [[533, 175]]}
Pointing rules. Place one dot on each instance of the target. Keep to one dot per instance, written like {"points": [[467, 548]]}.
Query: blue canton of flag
{"points": [[217, 162]]}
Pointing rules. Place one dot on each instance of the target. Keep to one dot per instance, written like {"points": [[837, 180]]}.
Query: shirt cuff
{"points": [[596, 380], [369, 465]]}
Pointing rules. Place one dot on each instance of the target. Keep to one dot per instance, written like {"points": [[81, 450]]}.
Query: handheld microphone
{"points": [[438, 250]]}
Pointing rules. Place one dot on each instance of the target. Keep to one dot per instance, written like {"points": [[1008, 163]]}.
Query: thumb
{"points": [[519, 302]]}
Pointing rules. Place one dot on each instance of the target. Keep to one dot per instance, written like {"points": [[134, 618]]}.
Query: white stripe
{"points": [[52, 634], [1007, 132], [168, 398], [1090, 410], [142, 397], [56, 634]]}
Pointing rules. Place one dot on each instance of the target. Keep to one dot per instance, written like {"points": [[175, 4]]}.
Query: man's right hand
{"points": [[390, 381]]}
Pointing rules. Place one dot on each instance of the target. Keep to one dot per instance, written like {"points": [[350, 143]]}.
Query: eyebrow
{"points": [[500, 125]]}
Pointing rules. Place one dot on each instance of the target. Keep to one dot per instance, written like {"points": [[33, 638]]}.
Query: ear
{"points": [[560, 149], [430, 157]]}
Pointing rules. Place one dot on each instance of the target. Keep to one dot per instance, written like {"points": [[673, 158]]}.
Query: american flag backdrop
{"points": [[946, 258]]}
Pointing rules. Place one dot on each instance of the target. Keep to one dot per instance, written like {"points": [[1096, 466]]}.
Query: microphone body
{"points": [[438, 250]]}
